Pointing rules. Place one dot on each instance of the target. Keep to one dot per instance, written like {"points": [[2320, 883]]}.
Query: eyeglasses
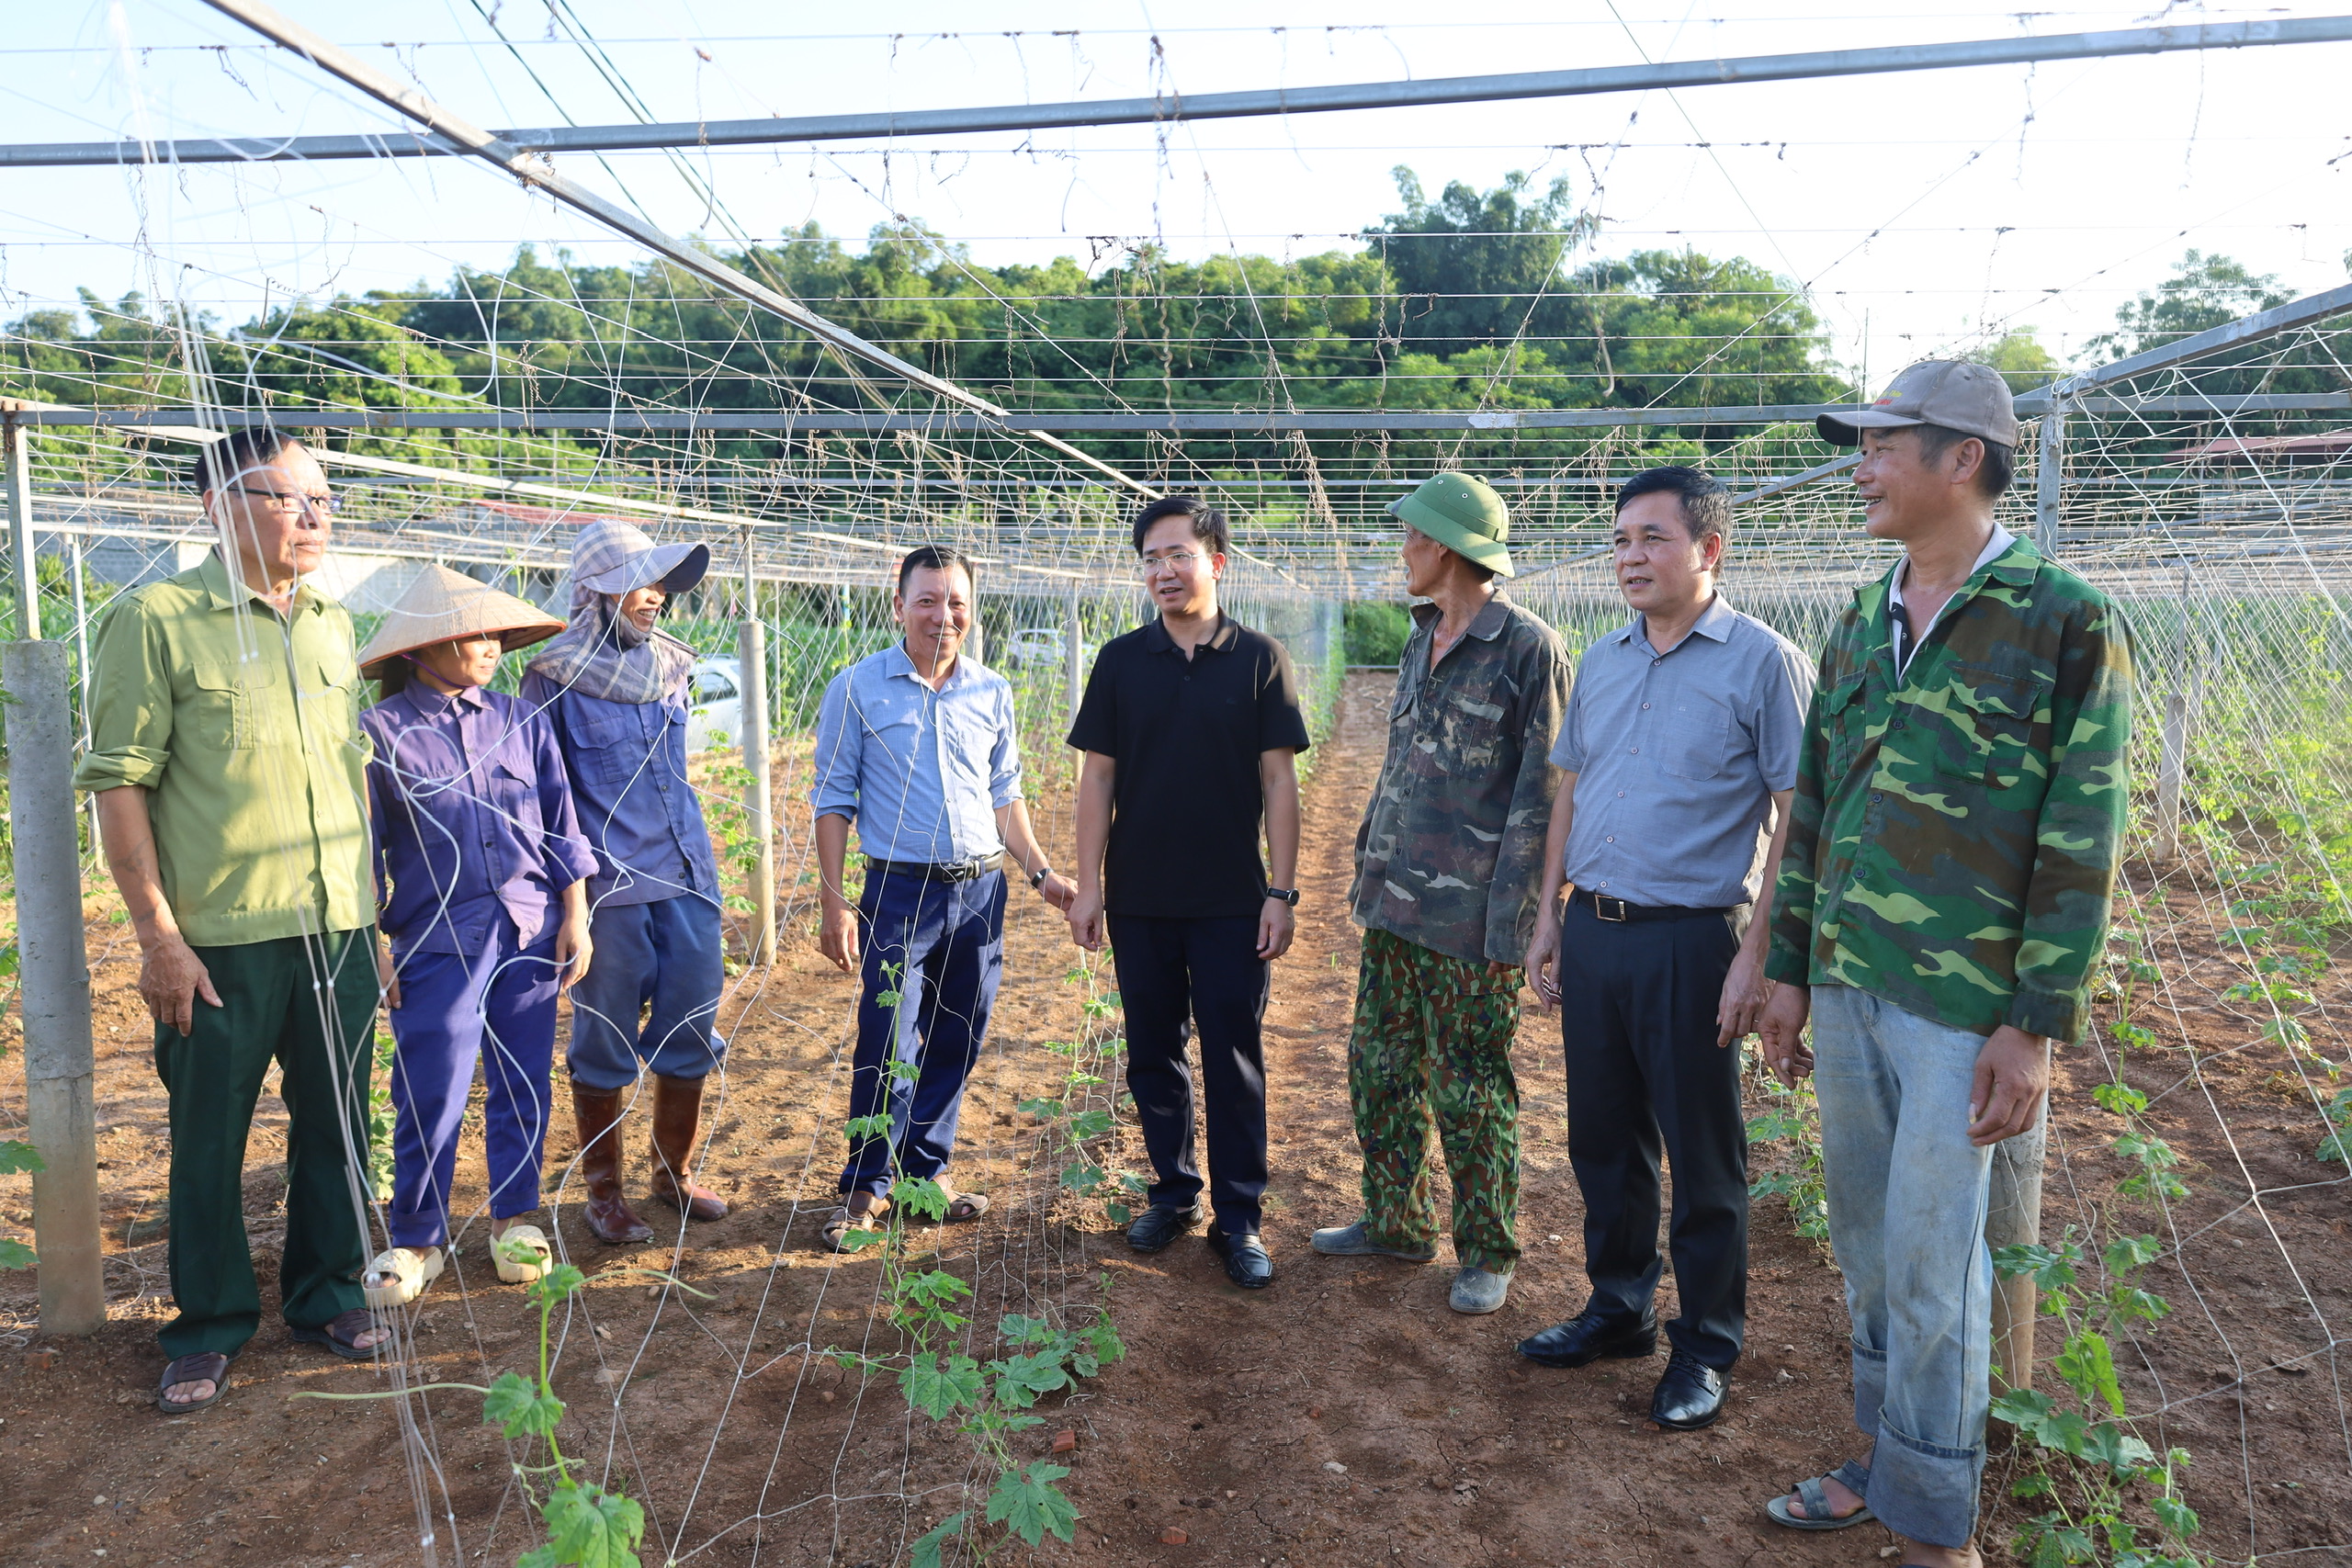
{"points": [[293, 500], [1181, 560]]}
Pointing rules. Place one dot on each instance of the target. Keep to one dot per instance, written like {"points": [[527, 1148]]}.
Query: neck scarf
{"points": [[602, 654]]}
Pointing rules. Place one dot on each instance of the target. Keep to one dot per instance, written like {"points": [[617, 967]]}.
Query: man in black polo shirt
{"points": [[1191, 731]]}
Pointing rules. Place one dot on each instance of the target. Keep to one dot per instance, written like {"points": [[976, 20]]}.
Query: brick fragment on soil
{"points": [[1171, 1536], [1065, 1441]]}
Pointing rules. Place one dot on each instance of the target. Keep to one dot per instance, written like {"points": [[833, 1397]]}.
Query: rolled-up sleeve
{"points": [[1004, 757], [130, 701], [564, 850], [1783, 696], [839, 739]]}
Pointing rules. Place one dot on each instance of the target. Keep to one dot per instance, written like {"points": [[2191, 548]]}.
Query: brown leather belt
{"points": [[919, 871], [1616, 911]]}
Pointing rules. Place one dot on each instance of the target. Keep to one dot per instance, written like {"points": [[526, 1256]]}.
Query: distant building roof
{"points": [[2255, 449]]}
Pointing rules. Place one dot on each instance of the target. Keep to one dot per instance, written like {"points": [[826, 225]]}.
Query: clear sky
{"points": [[1922, 211]]}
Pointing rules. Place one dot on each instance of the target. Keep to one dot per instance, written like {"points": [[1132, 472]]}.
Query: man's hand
{"points": [[1277, 923], [1085, 914], [1746, 990], [1782, 1029], [388, 979], [1544, 959], [2012, 1075], [1058, 890], [837, 938], [171, 978], [572, 953]]}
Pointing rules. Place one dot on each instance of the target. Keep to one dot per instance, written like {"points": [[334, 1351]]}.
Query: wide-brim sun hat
{"points": [[441, 606], [613, 557], [1462, 513]]}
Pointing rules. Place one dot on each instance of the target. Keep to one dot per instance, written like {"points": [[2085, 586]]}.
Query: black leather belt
{"points": [[1616, 911], [961, 871]]}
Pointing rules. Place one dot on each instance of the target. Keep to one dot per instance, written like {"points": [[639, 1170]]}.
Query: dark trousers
{"points": [[310, 1005], [1637, 1010], [934, 954], [662, 962], [496, 1006], [1175, 975]]}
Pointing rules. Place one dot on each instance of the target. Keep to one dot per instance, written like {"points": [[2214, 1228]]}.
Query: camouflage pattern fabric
{"points": [[1953, 843], [1432, 1042], [1451, 850]]}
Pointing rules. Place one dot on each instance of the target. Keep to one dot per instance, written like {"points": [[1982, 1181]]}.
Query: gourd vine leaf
{"points": [[1030, 1504], [924, 1553], [1090, 1123], [864, 1127], [2177, 1518], [2089, 1366], [1020, 1380], [1083, 1178], [2121, 1098], [17, 1157], [934, 1287], [2127, 1253], [1020, 1330], [2051, 1269], [593, 1527], [15, 1253], [939, 1390], [2107, 1444], [921, 1194], [517, 1405], [1047, 1109]]}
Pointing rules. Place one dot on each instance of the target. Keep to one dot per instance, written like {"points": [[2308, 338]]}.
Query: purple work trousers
{"points": [[497, 1006]]}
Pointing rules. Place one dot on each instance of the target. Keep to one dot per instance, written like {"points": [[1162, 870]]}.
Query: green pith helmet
{"points": [[1463, 514]]}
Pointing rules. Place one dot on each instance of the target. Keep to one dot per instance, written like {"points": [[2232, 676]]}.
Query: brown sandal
{"points": [[341, 1334], [838, 1228], [205, 1366], [964, 1206]]}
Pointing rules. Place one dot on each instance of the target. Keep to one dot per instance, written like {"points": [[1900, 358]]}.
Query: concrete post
{"points": [[2048, 477], [82, 670], [1073, 660], [2172, 771], [758, 804], [23, 573], [54, 970], [2013, 1218]]}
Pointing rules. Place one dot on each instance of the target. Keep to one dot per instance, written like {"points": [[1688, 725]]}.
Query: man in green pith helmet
{"points": [[1448, 860]]}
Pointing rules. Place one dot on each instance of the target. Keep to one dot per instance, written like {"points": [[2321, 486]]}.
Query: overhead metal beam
{"points": [[438, 142], [208, 423], [534, 170], [2294, 314]]}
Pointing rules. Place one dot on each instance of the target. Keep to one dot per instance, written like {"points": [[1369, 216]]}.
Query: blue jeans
{"points": [[1906, 1217], [940, 946], [451, 1006], [667, 954]]}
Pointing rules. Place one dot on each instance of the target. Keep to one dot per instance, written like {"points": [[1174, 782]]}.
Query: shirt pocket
{"points": [[1843, 718], [219, 710], [331, 698], [610, 747], [1466, 724], [513, 787], [1993, 719], [1698, 737]]}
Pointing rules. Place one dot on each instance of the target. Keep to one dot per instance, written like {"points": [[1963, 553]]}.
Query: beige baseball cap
{"points": [[1958, 394]]}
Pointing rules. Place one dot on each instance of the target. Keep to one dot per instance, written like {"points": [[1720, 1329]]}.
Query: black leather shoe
{"points": [[1246, 1263], [1157, 1225], [1588, 1338], [1689, 1396]]}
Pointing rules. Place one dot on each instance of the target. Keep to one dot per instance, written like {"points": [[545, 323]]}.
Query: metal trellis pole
{"points": [[54, 973], [758, 804]]}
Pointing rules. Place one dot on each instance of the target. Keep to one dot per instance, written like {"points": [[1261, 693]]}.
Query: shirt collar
{"points": [[1714, 623], [1157, 640], [230, 592], [1994, 547], [894, 657], [1488, 624], [430, 704]]}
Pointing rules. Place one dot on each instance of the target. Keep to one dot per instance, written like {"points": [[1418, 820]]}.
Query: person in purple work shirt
{"points": [[481, 882], [614, 687]]}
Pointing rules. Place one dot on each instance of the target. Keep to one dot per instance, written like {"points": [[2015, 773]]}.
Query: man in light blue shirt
{"points": [[916, 747]]}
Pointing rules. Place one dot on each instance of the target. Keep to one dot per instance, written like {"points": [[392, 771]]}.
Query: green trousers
{"points": [[1432, 1042], [310, 1004]]}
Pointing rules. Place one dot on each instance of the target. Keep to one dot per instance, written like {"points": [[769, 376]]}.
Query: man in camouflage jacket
{"points": [[1447, 864], [1943, 899]]}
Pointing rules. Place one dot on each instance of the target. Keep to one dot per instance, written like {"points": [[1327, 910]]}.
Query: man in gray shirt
{"points": [[1681, 749]]}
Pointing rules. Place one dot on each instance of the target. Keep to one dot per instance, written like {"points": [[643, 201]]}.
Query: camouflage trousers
{"points": [[1432, 1042]]}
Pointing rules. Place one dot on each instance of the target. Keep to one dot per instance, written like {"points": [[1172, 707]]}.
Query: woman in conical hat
{"points": [[481, 879], [614, 687]]}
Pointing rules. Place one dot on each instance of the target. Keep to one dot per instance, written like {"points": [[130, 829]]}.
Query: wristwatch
{"points": [[1287, 895], [1038, 879]]}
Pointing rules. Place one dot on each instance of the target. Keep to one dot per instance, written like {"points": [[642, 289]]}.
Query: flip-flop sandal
{"points": [[1856, 1478], [966, 1206], [522, 1239], [205, 1366], [399, 1274], [341, 1333], [838, 1228]]}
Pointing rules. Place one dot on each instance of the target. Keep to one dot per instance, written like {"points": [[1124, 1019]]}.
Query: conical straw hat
{"points": [[442, 605]]}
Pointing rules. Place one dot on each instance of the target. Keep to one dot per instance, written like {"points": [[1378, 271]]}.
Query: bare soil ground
{"points": [[1342, 1416]]}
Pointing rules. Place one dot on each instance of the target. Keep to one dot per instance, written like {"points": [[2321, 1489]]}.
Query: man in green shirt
{"points": [[1941, 903], [229, 768]]}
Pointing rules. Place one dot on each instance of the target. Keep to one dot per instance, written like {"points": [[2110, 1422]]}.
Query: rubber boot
{"points": [[678, 1117], [598, 1115]]}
